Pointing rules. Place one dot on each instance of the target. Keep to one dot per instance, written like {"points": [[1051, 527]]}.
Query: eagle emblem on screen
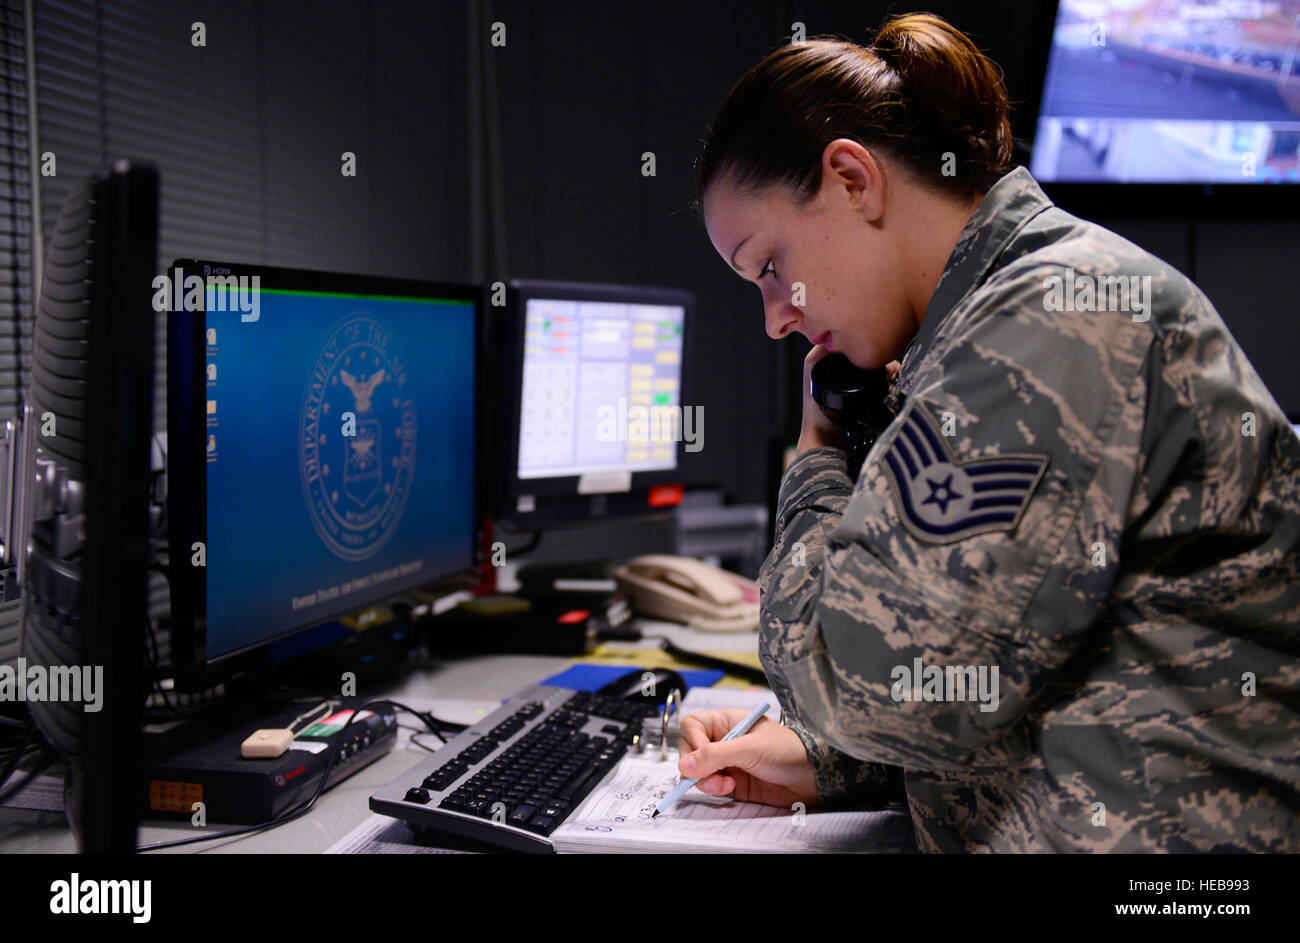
{"points": [[362, 390], [357, 438]]}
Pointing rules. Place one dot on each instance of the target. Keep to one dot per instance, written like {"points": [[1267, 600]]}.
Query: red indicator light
{"points": [[665, 496]]}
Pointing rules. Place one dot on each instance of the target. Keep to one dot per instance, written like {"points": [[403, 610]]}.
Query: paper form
{"points": [[616, 817], [718, 699]]}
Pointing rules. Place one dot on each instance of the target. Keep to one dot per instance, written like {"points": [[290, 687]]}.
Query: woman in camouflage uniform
{"points": [[1057, 608]]}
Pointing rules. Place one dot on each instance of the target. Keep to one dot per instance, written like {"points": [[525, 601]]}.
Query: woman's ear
{"points": [[851, 172]]}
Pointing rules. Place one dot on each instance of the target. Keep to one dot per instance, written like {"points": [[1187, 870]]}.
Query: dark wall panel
{"points": [[249, 133], [1248, 269], [418, 212]]}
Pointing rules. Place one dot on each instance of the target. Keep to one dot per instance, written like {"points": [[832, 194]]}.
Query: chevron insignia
{"points": [[943, 500]]}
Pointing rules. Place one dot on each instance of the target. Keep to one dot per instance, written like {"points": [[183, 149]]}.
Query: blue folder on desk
{"points": [[592, 678]]}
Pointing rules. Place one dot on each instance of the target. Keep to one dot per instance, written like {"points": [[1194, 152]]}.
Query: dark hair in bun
{"points": [[923, 94]]}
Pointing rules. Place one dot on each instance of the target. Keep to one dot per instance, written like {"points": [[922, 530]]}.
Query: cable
{"points": [[47, 758], [153, 646], [326, 705], [528, 547], [18, 754], [301, 810], [748, 672], [416, 734], [157, 670]]}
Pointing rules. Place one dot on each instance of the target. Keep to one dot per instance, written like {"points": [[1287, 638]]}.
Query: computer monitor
{"points": [[83, 496], [321, 441], [1171, 93], [594, 418]]}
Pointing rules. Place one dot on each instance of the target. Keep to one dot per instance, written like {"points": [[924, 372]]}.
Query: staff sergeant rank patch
{"points": [[942, 500]]}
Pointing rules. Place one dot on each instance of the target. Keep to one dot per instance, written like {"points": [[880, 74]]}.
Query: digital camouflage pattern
{"points": [[1147, 697]]}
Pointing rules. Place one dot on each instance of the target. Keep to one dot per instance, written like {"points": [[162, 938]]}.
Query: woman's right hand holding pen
{"points": [[769, 764]]}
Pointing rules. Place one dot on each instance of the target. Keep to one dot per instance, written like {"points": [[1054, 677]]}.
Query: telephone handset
{"points": [[685, 590], [854, 399]]}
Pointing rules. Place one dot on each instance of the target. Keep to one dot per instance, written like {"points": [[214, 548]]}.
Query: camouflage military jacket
{"points": [[1058, 610]]}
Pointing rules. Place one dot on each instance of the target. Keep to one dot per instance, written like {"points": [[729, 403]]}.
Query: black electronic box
{"points": [[237, 790]]}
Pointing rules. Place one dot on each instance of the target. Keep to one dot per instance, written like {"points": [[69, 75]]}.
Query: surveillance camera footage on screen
{"points": [[1163, 91]]}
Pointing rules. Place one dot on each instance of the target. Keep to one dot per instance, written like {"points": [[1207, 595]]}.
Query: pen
{"points": [[739, 730]]}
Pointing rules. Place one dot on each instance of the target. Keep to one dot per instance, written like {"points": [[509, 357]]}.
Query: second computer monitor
{"points": [[596, 422], [322, 436]]}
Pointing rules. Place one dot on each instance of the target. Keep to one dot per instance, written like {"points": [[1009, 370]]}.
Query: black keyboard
{"points": [[514, 777]]}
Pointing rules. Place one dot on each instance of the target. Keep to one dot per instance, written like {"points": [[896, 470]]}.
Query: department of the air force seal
{"points": [[942, 500], [356, 485]]}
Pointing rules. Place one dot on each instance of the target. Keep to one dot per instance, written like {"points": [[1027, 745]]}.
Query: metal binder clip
{"points": [[670, 708]]}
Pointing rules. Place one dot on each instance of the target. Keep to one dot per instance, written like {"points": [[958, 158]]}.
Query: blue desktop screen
{"points": [[340, 447]]}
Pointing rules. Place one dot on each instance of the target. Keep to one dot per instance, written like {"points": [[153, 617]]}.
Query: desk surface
{"points": [[457, 691]]}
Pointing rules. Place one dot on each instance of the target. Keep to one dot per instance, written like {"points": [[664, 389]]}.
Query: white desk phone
{"points": [[682, 589]]}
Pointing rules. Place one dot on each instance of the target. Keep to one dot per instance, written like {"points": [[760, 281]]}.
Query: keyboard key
{"points": [[521, 815], [416, 794], [542, 824], [580, 784]]}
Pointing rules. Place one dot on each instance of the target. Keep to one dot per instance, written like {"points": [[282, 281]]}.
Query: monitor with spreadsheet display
{"points": [[591, 382]]}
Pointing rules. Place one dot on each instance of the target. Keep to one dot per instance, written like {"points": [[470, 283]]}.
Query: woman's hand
{"points": [[817, 430], [769, 764]]}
